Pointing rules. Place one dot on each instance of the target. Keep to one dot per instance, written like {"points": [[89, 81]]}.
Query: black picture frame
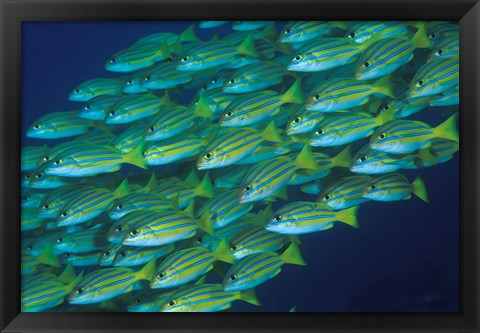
{"points": [[13, 12]]}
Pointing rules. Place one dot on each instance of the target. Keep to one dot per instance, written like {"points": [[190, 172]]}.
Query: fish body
{"points": [[89, 89], [303, 217]]}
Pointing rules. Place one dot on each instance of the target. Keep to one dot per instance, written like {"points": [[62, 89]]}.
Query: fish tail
{"points": [[68, 274], [343, 158], [282, 194], [205, 188], [294, 93], [249, 296], [48, 257], [421, 39], [285, 48], [223, 253], [448, 129], [122, 189], [419, 189], [349, 216], [292, 255], [74, 281], [148, 271], [386, 116], [269, 31], [192, 178], [271, 133], [339, 25], [189, 35], [205, 223], [247, 47], [176, 47], [294, 239], [384, 86], [305, 159], [152, 183], [135, 157], [202, 109], [163, 51], [427, 156]]}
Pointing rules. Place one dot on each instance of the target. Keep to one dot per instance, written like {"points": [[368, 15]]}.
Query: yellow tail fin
{"points": [[294, 94], [292, 255], [343, 158], [349, 216], [448, 129], [135, 157], [249, 296], [247, 47], [147, 272], [305, 159], [205, 188], [420, 190], [223, 253]]}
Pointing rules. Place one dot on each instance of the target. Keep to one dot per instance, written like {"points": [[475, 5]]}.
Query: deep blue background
{"points": [[404, 257]]}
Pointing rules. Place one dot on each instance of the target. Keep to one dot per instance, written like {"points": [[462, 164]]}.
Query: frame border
{"points": [[13, 12]]}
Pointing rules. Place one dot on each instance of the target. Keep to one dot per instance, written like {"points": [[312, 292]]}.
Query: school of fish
{"points": [[137, 202]]}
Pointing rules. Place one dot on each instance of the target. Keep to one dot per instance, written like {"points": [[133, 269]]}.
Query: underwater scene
{"points": [[240, 166]]}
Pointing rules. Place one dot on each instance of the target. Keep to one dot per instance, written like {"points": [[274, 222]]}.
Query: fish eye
{"points": [[362, 158], [87, 107], [382, 136], [432, 35], [29, 247], [420, 83], [277, 218], [320, 131], [232, 277], [111, 113], [366, 64], [298, 58], [199, 240], [229, 114], [161, 275], [151, 129], [326, 197], [204, 88], [297, 120], [233, 247], [231, 81], [207, 156], [442, 93], [439, 52], [120, 206], [122, 254], [26, 177], [134, 232], [46, 158], [36, 126], [80, 290], [76, 91], [372, 187], [214, 81], [112, 60], [60, 240], [57, 162], [119, 228], [66, 255], [64, 214], [287, 31], [130, 81], [39, 175], [24, 199], [147, 78], [138, 300], [247, 189], [172, 303], [386, 107], [106, 254], [316, 97], [46, 206], [144, 153], [185, 59], [352, 34]]}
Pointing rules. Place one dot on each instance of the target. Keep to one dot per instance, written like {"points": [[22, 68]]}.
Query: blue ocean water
{"points": [[405, 255]]}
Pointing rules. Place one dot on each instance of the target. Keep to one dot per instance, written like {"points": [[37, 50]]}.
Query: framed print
{"points": [[262, 166]]}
